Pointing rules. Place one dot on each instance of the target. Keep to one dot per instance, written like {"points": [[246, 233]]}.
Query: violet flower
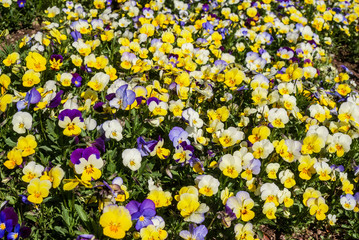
{"points": [[85, 237], [5, 224], [195, 233], [144, 147], [32, 97], [76, 79], [21, 3], [178, 135], [142, 212], [123, 98], [76, 35]]}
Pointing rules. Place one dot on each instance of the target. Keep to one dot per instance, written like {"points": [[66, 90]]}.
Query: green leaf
{"points": [[11, 199], [260, 234], [111, 167], [10, 142], [46, 148], [81, 212], [61, 230], [65, 215], [31, 217]]}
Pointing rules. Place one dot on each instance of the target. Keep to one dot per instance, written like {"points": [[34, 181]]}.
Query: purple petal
{"points": [[71, 113], [120, 93], [89, 151], [200, 232], [175, 132], [20, 105], [25, 231], [98, 107], [131, 96], [76, 35], [11, 214], [99, 144], [76, 155], [142, 224], [8, 225], [149, 212], [152, 99], [110, 96], [256, 166], [56, 100], [147, 204], [133, 206], [33, 96]]}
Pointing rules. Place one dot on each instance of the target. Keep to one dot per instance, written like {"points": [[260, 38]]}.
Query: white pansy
{"points": [[132, 158], [21, 122]]}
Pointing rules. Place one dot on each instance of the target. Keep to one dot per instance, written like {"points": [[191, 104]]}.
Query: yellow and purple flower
{"points": [[56, 62], [72, 122]]}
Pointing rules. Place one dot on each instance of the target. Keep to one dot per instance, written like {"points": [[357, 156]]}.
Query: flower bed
{"points": [[161, 119]]}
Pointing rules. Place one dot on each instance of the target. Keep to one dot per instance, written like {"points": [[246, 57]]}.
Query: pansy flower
{"points": [[87, 163], [76, 79], [144, 147], [112, 129], [32, 97], [159, 150], [142, 212], [56, 62], [38, 190], [195, 233], [178, 135], [123, 98], [5, 224], [72, 122], [36, 62], [115, 220]]}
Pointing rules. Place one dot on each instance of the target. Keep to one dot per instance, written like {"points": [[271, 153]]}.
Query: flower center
{"points": [[89, 169], [114, 227]]}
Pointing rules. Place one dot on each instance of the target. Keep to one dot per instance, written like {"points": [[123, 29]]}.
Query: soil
{"points": [[344, 57], [12, 38]]}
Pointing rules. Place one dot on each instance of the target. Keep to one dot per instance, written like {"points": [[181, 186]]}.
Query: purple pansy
{"points": [[76, 35], [21, 3], [14, 234], [123, 98], [70, 113], [178, 135], [76, 79], [142, 212], [5, 224], [32, 97], [83, 153], [195, 233], [144, 147]]}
